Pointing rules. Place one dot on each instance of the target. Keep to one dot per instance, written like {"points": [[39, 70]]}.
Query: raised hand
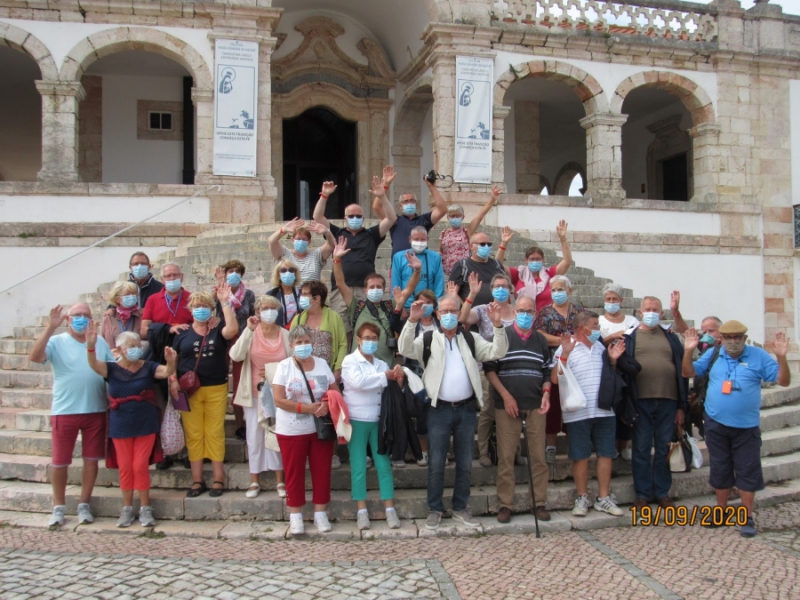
{"points": [[91, 334], [496, 191], [340, 249], [377, 187], [415, 314], [475, 285], [399, 296], [170, 355], [252, 323], [616, 350], [223, 292], [561, 230], [388, 175], [494, 311], [316, 227], [219, 275], [328, 187], [781, 345], [413, 261], [57, 316], [451, 288], [293, 224], [506, 236], [567, 343], [675, 301], [690, 339]]}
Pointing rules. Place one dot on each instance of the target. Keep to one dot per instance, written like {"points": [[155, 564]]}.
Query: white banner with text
{"points": [[474, 96]]}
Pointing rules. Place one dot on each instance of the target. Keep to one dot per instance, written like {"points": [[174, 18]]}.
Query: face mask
{"points": [[708, 339], [409, 209], [140, 271], [535, 266], [419, 246], [288, 278], [594, 335], [374, 295], [300, 245], [734, 348], [79, 324], [173, 285], [524, 320], [304, 302], [201, 314], [484, 251], [427, 310], [500, 294], [129, 301], [303, 351], [559, 297], [269, 316], [651, 319], [134, 353], [611, 307], [369, 347], [456, 221], [355, 222], [449, 321], [234, 279]]}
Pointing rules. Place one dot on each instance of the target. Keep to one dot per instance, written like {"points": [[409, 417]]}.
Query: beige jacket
{"points": [[240, 352], [411, 347]]}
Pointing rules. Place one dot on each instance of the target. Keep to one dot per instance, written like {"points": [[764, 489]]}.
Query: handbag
{"points": [[326, 431], [190, 381], [569, 390], [172, 438], [271, 438], [680, 452]]}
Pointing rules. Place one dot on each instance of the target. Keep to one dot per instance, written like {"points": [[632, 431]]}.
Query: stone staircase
{"points": [[25, 439]]}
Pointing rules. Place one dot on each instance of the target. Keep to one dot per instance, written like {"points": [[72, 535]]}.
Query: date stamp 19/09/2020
{"points": [[682, 516]]}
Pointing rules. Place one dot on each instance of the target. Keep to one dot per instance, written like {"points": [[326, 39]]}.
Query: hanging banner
{"points": [[235, 99], [474, 95]]}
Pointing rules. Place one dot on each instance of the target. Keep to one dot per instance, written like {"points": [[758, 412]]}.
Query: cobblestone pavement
{"points": [[621, 562]]}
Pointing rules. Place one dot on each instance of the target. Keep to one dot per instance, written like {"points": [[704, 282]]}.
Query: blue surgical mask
{"points": [[594, 335], [129, 301], [375, 295], [234, 279], [484, 251], [201, 314], [355, 222], [427, 310], [500, 294], [369, 347], [524, 320], [134, 353], [651, 319], [304, 302], [611, 307], [173, 285], [559, 297], [456, 221], [288, 278], [79, 324], [140, 271], [535, 265], [303, 351], [708, 339], [409, 209], [449, 321], [300, 245]]}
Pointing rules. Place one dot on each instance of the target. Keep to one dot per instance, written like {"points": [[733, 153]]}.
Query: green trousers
{"points": [[364, 432]]}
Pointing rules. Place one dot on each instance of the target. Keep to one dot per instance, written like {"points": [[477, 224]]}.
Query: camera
{"points": [[391, 343], [432, 176]]}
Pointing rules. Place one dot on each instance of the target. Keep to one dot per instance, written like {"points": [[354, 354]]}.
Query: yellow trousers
{"points": [[204, 425]]}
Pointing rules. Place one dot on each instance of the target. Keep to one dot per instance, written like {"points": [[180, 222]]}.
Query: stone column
{"points": [[705, 162], [604, 157], [203, 101], [264, 143], [499, 114], [526, 147], [60, 100]]}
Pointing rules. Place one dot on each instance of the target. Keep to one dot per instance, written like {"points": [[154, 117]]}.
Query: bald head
{"points": [[80, 308]]}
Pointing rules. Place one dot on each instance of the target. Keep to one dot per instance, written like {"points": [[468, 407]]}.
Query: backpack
{"points": [[427, 338], [386, 307]]}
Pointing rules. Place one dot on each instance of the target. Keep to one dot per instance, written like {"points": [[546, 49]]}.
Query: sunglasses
{"points": [[288, 269], [354, 216], [484, 244]]}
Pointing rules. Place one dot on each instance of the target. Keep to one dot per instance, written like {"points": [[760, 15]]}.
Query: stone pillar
{"points": [[204, 116], [444, 112], [604, 156], [60, 101], [705, 162], [499, 114], [526, 147], [90, 130], [264, 130]]}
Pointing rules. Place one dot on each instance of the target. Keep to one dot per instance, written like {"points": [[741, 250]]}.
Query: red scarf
{"points": [[237, 297]]}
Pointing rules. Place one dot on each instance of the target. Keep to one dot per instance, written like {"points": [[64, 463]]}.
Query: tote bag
{"points": [[172, 439], [569, 391]]}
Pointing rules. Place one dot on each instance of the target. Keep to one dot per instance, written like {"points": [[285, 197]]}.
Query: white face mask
{"points": [[419, 246], [269, 316]]}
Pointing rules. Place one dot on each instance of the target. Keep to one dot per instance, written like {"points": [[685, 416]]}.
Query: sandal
{"points": [[194, 492], [216, 492], [281, 487], [253, 491]]}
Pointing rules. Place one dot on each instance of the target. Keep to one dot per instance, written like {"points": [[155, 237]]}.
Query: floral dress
{"points": [[454, 246], [552, 323]]}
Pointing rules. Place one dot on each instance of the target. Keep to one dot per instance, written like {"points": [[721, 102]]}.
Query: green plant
{"points": [[153, 535]]}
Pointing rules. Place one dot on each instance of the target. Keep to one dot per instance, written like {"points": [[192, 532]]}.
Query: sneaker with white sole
{"points": [[369, 462], [336, 462], [465, 517], [362, 520], [582, 505], [57, 518], [399, 464], [423, 462], [126, 517], [322, 523], [626, 454], [146, 516], [85, 515], [296, 526], [392, 520], [550, 455], [433, 520], [608, 505]]}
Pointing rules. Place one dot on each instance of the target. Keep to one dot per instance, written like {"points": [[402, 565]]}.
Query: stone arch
{"points": [[586, 87], [566, 174], [694, 98], [407, 135], [21, 40], [104, 43]]}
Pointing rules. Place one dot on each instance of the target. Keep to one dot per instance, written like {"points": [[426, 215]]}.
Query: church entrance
{"points": [[318, 146]]}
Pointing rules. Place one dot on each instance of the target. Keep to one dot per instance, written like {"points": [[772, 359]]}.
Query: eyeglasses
{"points": [[558, 289], [483, 244], [451, 311], [171, 276], [521, 311], [288, 269], [733, 338]]}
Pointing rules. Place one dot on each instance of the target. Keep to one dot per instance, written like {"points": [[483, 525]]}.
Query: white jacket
{"points": [[411, 347], [240, 352]]}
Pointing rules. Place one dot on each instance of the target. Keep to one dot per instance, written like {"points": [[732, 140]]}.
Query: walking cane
{"points": [[530, 477]]}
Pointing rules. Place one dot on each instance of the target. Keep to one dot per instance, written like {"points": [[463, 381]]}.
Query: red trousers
{"points": [[133, 457], [295, 449]]}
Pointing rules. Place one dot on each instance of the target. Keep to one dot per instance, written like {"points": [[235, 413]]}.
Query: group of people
{"points": [[483, 344]]}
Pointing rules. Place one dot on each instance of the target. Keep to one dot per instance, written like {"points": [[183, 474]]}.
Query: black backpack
{"points": [[427, 338]]}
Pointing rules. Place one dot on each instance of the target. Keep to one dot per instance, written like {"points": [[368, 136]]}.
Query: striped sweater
{"points": [[523, 370]]}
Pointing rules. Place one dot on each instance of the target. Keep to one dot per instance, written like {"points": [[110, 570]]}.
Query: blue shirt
{"points": [[742, 407], [77, 389], [431, 278], [134, 418]]}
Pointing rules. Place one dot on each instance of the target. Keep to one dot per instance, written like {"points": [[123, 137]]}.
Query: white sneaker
{"points": [[146, 518], [84, 514], [423, 462], [626, 454], [550, 455], [392, 520], [369, 462], [362, 520], [126, 517], [336, 462], [57, 518], [322, 523], [399, 464], [607, 505], [582, 505], [296, 526]]}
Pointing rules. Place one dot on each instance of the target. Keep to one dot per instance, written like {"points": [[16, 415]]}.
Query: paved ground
{"points": [[621, 562]]}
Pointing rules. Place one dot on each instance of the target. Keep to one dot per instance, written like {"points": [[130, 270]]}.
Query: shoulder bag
{"points": [[190, 381], [325, 428]]}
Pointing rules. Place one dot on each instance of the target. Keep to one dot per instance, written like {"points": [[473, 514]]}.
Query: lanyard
{"points": [[125, 327], [174, 313]]}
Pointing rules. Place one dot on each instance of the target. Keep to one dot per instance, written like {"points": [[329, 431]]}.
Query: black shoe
{"points": [[241, 433], [164, 464], [187, 464]]}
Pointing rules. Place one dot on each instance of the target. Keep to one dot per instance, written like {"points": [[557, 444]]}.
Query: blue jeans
{"points": [[655, 426], [442, 421]]}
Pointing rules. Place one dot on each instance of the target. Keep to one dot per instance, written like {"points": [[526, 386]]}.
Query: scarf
{"points": [[125, 313], [148, 396], [529, 281], [237, 297]]}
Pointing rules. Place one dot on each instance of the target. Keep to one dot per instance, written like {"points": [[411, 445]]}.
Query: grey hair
{"points": [[712, 318], [418, 229], [660, 304], [127, 336], [612, 287], [452, 297], [301, 331], [561, 279], [170, 264], [455, 208]]}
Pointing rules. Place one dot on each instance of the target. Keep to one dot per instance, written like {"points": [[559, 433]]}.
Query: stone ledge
{"points": [[28, 233], [82, 188]]}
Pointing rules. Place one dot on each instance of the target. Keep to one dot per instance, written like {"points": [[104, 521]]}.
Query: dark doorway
{"points": [[675, 175], [318, 146]]}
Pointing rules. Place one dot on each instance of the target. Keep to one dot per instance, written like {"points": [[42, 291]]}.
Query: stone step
{"points": [[21, 362], [26, 379], [26, 397], [780, 396]]}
